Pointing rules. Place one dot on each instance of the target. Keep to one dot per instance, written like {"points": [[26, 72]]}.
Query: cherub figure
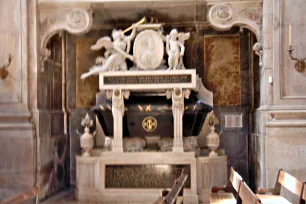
{"points": [[175, 49], [115, 54]]}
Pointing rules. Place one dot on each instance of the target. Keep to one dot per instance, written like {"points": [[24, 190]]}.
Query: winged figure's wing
{"points": [[183, 36], [103, 42]]}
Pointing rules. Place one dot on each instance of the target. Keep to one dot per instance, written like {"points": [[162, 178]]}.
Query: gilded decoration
{"points": [[222, 68], [149, 124], [86, 89]]}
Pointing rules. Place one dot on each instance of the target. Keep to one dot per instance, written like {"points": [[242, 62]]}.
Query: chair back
{"points": [[304, 193], [235, 179], [246, 194], [291, 183]]}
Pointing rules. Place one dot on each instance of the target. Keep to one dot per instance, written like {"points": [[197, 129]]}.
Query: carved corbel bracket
{"points": [[178, 96], [258, 51], [118, 97], [223, 16], [75, 21]]}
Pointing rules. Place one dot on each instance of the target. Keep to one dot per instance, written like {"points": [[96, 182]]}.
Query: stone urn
{"points": [[213, 141], [87, 142], [87, 139]]}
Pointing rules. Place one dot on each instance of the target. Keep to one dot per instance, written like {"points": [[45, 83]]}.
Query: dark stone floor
{"points": [[66, 197]]}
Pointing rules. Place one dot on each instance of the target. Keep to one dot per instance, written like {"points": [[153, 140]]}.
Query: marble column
{"points": [[118, 109], [178, 96]]}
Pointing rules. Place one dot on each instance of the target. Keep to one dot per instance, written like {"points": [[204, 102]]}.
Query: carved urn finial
{"points": [[87, 141]]}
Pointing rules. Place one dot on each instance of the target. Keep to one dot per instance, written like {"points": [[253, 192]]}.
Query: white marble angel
{"points": [[175, 49], [115, 53]]}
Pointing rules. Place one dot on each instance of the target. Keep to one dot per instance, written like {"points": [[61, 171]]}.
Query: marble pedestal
{"points": [[90, 184], [211, 171], [91, 177]]}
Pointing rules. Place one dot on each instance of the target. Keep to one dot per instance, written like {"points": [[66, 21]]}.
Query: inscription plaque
{"points": [[233, 121], [144, 176], [161, 79]]}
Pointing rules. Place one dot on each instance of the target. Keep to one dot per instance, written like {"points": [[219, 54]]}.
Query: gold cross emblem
{"points": [[149, 124]]}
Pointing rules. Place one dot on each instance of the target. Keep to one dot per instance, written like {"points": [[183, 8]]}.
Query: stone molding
{"points": [[75, 21], [223, 16], [287, 118]]}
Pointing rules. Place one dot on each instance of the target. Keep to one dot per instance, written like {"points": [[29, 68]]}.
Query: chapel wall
{"points": [[278, 139], [17, 138]]}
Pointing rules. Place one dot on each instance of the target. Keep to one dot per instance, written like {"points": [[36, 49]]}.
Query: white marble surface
{"points": [[90, 176], [151, 86]]}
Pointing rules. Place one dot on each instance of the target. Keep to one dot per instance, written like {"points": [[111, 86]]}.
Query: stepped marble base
{"points": [[93, 185]]}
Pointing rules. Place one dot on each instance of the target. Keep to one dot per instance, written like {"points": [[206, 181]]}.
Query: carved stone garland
{"points": [[75, 21]]}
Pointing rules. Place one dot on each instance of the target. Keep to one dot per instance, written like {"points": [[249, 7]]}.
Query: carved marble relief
{"points": [[87, 88], [222, 68]]}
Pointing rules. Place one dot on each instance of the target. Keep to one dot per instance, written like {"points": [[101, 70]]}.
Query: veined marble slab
{"points": [[154, 82]]}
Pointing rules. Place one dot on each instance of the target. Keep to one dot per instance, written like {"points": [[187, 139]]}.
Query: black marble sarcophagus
{"points": [[152, 115]]}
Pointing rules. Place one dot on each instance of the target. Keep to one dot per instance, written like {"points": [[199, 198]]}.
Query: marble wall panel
{"points": [[289, 88], [292, 82], [235, 140], [10, 31], [85, 89], [222, 68], [17, 167], [286, 150]]}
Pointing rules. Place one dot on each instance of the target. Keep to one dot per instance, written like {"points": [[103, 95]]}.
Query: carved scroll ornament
{"points": [[224, 16], [75, 21]]}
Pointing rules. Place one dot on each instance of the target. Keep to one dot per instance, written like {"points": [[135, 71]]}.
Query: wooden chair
{"points": [[170, 197], [230, 191], [304, 194], [286, 180], [247, 196], [21, 197]]}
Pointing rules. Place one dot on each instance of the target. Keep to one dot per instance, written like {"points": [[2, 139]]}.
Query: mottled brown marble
{"points": [[85, 89], [144, 176], [222, 68]]}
